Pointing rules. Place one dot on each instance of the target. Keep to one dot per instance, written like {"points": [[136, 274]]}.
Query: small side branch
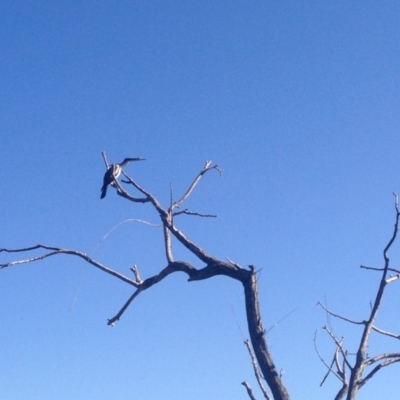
{"points": [[340, 316], [385, 356], [207, 167], [390, 334], [111, 321], [388, 360], [256, 370], [148, 283], [196, 214], [340, 374], [391, 278], [339, 347], [135, 271], [249, 391], [379, 269]]}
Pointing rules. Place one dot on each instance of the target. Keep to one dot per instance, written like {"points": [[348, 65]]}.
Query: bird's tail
{"points": [[103, 192]]}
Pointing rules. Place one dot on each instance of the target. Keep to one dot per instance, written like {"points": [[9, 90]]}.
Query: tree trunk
{"points": [[257, 336]]}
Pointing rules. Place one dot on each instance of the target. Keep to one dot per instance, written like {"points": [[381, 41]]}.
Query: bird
{"points": [[113, 172]]}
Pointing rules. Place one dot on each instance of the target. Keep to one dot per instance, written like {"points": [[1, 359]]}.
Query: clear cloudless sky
{"points": [[297, 101]]}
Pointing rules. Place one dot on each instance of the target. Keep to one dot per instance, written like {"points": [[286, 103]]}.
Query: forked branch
{"points": [[207, 167], [362, 361]]}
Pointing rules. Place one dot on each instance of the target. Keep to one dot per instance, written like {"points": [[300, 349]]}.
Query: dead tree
{"points": [[355, 369], [211, 266]]}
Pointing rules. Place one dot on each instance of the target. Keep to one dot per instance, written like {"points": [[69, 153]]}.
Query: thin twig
{"points": [[340, 316], [393, 335], [194, 213], [338, 344], [112, 321], [329, 367], [135, 270], [256, 370]]}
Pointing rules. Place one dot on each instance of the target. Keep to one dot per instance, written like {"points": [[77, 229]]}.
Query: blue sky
{"points": [[298, 102]]}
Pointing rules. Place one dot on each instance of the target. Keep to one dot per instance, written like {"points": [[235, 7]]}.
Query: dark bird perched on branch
{"points": [[113, 172]]}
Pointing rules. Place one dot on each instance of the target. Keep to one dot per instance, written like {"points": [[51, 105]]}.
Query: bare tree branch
{"points": [[207, 167], [112, 320], [172, 267], [195, 249], [187, 212], [149, 282], [389, 359], [135, 270], [384, 356], [340, 316], [249, 391], [391, 278], [256, 370], [329, 367], [168, 244], [339, 346], [123, 193], [381, 331], [56, 251], [380, 269]]}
